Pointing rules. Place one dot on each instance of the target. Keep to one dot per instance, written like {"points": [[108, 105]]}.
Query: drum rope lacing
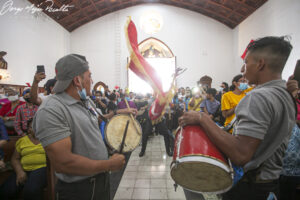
{"points": [[180, 137], [176, 162]]}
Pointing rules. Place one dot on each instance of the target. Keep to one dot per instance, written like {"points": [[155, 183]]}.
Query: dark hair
{"points": [[48, 84], [212, 91], [226, 87], [112, 96], [278, 47], [235, 79]]}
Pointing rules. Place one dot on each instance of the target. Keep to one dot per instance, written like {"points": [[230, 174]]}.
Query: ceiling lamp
{"points": [[151, 22]]}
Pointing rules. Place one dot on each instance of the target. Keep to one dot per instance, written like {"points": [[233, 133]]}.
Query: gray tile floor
{"points": [[149, 177]]}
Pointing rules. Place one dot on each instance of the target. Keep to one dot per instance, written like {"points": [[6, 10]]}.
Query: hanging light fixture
{"points": [[151, 22]]}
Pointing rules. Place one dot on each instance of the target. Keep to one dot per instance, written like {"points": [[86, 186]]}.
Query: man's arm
{"points": [[34, 88], [16, 164], [239, 149], [205, 110], [101, 103], [121, 111], [64, 161], [227, 113], [292, 87]]}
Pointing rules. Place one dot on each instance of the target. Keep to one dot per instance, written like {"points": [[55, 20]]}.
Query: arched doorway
{"points": [[100, 86], [161, 58]]}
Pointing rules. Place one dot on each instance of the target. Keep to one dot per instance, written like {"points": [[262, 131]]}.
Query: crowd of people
{"points": [[250, 122]]}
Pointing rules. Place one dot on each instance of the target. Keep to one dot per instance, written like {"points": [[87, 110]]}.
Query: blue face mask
{"points": [[127, 98], [243, 86], [82, 93]]}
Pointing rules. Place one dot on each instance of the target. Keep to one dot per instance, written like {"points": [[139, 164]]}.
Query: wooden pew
{"points": [[51, 181], [8, 149]]}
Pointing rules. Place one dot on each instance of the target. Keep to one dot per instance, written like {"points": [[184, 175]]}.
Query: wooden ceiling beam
{"points": [[232, 11], [209, 11], [82, 10], [229, 16], [98, 11], [244, 4]]}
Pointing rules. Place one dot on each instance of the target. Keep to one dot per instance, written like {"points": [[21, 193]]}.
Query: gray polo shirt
{"points": [[268, 114], [61, 116]]}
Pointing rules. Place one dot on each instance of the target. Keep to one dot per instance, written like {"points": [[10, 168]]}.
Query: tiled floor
{"points": [[149, 177]]}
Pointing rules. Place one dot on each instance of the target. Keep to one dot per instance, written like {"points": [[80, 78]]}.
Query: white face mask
{"points": [[13, 98]]}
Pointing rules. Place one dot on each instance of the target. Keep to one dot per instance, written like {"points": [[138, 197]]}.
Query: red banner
{"points": [[245, 52], [137, 63], [145, 71]]}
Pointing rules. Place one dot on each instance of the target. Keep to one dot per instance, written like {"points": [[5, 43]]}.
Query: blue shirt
{"points": [[211, 106], [291, 160], [3, 136]]}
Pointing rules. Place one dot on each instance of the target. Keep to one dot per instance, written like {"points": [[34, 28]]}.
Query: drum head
{"points": [[114, 132], [202, 177]]}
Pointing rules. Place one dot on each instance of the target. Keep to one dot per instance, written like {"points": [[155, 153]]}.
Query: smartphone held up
{"points": [[297, 73], [40, 68]]}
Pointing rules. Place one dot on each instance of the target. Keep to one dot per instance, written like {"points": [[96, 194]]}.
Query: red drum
{"points": [[198, 165]]}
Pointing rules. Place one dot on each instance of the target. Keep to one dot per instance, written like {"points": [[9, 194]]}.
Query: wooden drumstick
{"points": [[131, 116]]}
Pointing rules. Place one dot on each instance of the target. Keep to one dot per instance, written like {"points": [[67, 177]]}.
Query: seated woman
{"points": [[231, 99], [29, 163]]}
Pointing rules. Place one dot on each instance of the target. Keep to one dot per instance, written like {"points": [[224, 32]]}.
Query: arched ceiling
{"points": [[229, 12]]}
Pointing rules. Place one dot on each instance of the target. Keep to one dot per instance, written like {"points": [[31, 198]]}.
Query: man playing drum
{"points": [[265, 118], [67, 126]]}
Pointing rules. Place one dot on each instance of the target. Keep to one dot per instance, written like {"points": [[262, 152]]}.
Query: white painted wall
{"points": [[276, 18], [201, 44], [30, 41]]}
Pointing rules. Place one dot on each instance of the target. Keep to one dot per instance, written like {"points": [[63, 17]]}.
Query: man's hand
{"points": [[132, 111], [99, 120], [292, 86], [21, 178], [191, 117], [117, 162], [39, 76], [128, 111]]}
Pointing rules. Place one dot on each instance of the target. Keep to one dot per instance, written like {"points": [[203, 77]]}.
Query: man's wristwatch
{"points": [[115, 111]]}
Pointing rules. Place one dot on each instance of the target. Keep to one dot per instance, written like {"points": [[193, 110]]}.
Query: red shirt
{"points": [[5, 109]]}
